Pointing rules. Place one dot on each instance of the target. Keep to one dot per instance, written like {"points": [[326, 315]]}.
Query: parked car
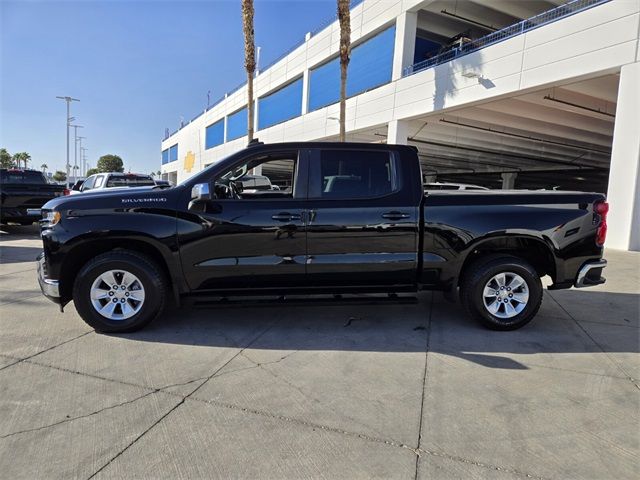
{"points": [[452, 186], [22, 193], [112, 180], [355, 220]]}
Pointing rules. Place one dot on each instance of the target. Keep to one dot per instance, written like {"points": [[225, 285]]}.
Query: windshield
{"points": [[130, 181], [18, 176]]}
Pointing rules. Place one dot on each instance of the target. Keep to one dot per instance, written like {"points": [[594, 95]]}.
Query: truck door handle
{"points": [[286, 216], [395, 215]]}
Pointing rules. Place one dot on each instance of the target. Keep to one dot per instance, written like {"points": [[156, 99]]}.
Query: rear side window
{"points": [[17, 176], [356, 174], [99, 181], [130, 181]]}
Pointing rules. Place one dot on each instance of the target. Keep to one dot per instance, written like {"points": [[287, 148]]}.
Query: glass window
{"points": [[356, 174], [129, 180], [370, 66], [20, 176], [165, 156], [173, 153], [237, 124], [88, 183], [281, 105], [214, 134], [99, 181]]}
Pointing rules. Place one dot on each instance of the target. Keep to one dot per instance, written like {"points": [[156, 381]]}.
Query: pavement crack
{"points": [[45, 350], [633, 380], [424, 381], [181, 402]]}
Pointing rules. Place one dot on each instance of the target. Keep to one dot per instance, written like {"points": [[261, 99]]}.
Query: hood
{"points": [[127, 196]]}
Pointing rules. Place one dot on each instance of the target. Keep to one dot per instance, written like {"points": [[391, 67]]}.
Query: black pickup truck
{"points": [[347, 218], [22, 193]]}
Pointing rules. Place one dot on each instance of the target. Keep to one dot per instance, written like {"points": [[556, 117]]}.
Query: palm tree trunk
{"points": [[344, 17], [249, 60]]}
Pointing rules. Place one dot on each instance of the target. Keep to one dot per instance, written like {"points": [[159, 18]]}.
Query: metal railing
{"points": [[544, 18]]}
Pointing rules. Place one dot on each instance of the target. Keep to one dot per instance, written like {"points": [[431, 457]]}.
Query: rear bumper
{"points": [[590, 274], [50, 288], [20, 214]]}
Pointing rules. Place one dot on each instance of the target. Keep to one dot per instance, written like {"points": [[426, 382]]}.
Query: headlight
{"points": [[51, 217]]}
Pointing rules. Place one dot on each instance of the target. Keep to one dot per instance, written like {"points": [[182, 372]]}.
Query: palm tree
{"points": [[344, 17], [44, 167], [249, 59], [21, 157]]}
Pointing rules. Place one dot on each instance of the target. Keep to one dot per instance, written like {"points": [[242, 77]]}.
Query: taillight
{"points": [[601, 208], [66, 191]]}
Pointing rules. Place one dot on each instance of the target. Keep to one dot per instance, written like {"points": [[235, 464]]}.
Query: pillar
{"points": [[405, 43], [398, 132], [305, 92], [509, 180], [623, 193]]}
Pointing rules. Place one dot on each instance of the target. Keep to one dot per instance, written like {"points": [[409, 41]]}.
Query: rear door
{"points": [[363, 219]]}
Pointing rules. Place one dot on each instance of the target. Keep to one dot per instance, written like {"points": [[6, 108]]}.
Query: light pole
{"points": [[75, 150], [79, 139], [83, 157], [69, 120]]}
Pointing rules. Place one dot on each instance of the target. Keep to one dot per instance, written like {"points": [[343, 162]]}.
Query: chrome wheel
{"points": [[117, 294], [505, 295]]}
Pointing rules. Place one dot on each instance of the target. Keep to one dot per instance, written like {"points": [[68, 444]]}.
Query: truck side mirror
{"points": [[201, 192]]}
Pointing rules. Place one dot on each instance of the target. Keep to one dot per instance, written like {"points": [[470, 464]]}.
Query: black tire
{"points": [[139, 265], [479, 273]]}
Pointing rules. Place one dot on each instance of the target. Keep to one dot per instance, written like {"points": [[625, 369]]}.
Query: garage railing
{"points": [[519, 28]]}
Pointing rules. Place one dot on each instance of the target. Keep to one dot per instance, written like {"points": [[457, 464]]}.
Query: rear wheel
{"points": [[119, 291], [503, 293]]}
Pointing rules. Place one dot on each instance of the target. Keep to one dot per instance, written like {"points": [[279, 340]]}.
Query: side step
{"points": [[302, 301]]}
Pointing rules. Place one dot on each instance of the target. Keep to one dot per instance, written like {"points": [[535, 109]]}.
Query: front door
{"points": [[253, 230], [362, 227]]}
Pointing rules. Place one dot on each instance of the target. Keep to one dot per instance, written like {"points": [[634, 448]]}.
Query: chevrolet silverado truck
{"points": [[22, 193], [350, 218]]}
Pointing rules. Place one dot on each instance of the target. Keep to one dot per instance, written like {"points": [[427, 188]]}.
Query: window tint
{"points": [[129, 180], [18, 176], [88, 183], [356, 174]]}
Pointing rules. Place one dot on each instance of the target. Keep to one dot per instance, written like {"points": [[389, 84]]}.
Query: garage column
{"points": [[624, 176], [509, 181], [398, 132], [405, 43]]}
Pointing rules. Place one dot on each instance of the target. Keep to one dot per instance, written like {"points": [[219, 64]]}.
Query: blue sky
{"points": [[136, 66]]}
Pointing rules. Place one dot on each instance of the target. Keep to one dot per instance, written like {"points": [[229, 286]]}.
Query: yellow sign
{"points": [[189, 161]]}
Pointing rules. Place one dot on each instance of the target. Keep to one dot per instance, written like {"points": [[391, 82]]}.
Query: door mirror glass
{"points": [[200, 191]]}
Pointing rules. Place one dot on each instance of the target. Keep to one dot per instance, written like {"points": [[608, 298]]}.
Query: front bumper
{"points": [[50, 288], [590, 274]]}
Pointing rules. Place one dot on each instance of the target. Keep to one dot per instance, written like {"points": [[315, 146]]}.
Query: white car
{"points": [[103, 181]]}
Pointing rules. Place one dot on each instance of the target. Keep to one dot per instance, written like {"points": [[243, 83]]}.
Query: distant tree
{"points": [[249, 60], [344, 18], [21, 157], [92, 171], [110, 163], [60, 176], [44, 167], [6, 161], [159, 173]]}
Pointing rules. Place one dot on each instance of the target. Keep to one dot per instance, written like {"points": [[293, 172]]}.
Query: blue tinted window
{"points": [[165, 156], [237, 124], [281, 105], [214, 134], [173, 153], [370, 66]]}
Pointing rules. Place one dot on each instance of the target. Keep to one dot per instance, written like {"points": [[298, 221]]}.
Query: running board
{"points": [[294, 301]]}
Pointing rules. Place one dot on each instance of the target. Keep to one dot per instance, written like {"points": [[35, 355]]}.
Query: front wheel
{"points": [[119, 291], [503, 293]]}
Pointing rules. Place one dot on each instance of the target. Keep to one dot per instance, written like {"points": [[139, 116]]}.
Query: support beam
{"points": [[398, 132], [405, 43], [624, 178], [509, 181], [305, 92]]}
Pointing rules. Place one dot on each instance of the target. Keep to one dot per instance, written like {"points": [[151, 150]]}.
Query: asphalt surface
{"points": [[316, 391]]}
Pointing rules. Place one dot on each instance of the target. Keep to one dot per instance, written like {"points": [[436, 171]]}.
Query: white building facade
{"points": [[502, 93]]}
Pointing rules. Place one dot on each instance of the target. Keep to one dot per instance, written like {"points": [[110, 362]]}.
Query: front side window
{"points": [[355, 174], [88, 183]]}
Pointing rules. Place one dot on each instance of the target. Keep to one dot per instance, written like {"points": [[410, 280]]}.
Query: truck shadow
{"points": [[410, 328]]}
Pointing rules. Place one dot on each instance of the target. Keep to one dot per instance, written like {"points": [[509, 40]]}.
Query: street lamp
{"points": [[69, 120], [75, 150], [79, 140]]}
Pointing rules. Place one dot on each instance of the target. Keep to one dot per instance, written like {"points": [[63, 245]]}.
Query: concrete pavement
{"points": [[391, 391]]}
